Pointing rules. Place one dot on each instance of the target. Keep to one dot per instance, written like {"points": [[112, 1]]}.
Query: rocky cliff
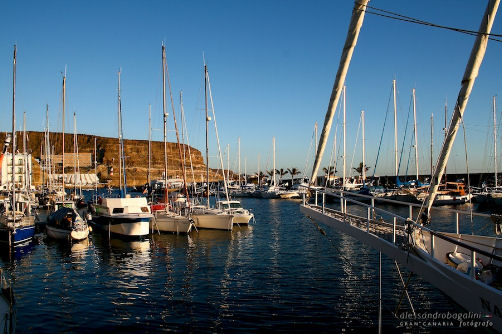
{"points": [[136, 152]]}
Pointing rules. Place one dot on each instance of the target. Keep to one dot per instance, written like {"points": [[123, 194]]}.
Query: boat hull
{"points": [[18, 236], [169, 222], [213, 221], [63, 234], [134, 227], [242, 218]]}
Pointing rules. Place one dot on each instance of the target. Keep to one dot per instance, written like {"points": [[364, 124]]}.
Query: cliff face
{"points": [[136, 152]]}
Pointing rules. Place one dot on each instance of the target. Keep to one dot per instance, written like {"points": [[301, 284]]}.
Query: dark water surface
{"points": [[277, 275]]}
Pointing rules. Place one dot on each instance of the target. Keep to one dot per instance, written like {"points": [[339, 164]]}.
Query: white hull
{"points": [[170, 222], [62, 234], [135, 229], [242, 218], [213, 221], [473, 295]]}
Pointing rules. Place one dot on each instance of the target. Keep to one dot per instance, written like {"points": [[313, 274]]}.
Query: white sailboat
{"points": [[165, 220], [205, 216]]}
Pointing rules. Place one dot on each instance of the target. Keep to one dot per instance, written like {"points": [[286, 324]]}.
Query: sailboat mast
{"points": [[74, 154], [273, 171], [495, 140], [119, 133], [432, 143], [344, 139], [415, 132], [25, 156], [239, 154], [396, 171], [62, 133], [228, 162], [95, 169], [149, 143], [356, 23], [13, 171], [46, 146], [259, 171], [165, 114], [363, 171], [471, 72], [207, 137]]}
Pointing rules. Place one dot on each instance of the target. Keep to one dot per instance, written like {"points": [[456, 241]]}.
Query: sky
{"points": [[271, 64]]}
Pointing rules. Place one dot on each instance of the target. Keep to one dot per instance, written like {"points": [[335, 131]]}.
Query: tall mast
{"points": [[245, 170], [165, 114], [344, 139], [259, 170], [13, 171], [149, 143], [356, 23], [95, 169], [415, 131], [62, 133], [228, 162], [25, 156], [74, 154], [467, 83], [239, 154], [396, 171], [445, 130], [495, 140], [46, 145], [207, 137], [119, 107], [273, 171], [432, 143], [363, 171]]}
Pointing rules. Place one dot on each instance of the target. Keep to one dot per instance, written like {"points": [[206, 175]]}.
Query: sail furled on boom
{"points": [[356, 23], [470, 75]]}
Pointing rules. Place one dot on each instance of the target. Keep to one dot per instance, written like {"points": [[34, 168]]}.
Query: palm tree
{"points": [[293, 171], [281, 173], [360, 169]]}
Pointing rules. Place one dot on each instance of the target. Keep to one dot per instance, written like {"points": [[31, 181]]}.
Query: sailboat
{"points": [[64, 221], [17, 223], [124, 216], [203, 215], [466, 267], [165, 220]]}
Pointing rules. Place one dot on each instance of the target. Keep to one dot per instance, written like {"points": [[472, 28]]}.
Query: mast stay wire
{"points": [[400, 17]]}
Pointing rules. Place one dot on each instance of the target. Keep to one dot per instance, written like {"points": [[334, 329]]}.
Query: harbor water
{"points": [[282, 273]]}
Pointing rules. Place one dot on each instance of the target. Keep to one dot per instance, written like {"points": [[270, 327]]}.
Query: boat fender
{"points": [[90, 228]]}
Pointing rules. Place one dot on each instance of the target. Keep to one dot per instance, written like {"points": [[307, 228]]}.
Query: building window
{"points": [[20, 161]]}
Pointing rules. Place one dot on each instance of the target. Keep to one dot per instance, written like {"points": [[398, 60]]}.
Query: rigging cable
{"points": [[399, 17], [381, 136]]}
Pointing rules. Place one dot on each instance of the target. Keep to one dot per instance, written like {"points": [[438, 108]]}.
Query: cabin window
{"points": [[118, 210], [144, 209]]}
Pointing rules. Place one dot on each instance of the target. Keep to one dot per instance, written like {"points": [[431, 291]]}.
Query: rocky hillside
{"points": [[136, 152]]}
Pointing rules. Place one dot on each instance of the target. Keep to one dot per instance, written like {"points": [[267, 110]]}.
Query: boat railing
{"points": [[399, 231]]}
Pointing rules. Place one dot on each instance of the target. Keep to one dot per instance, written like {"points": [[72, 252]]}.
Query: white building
{"points": [[22, 172]]}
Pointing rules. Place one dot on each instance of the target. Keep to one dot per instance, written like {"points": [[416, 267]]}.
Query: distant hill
{"points": [[136, 152]]}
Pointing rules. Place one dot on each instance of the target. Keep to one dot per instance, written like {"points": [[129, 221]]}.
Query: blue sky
{"points": [[272, 65]]}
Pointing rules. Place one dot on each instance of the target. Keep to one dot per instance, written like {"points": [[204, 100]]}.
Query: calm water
{"points": [[279, 274]]}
